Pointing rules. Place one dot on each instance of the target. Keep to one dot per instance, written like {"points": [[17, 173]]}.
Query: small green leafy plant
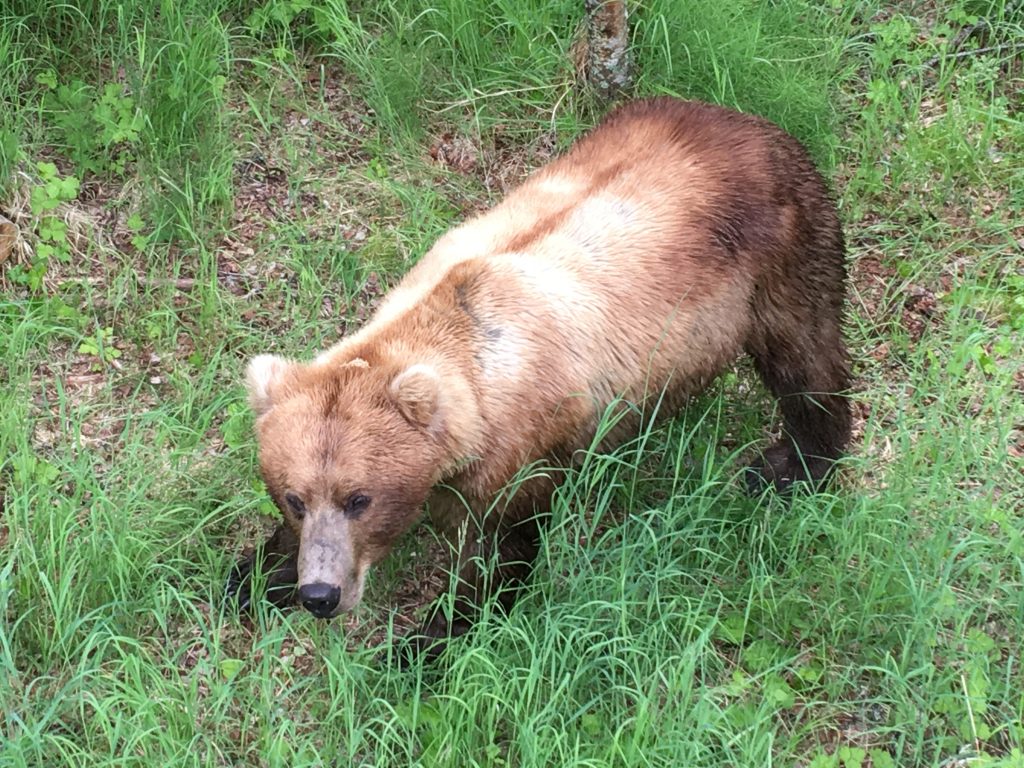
{"points": [[101, 346], [135, 225], [99, 126], [52, 191], [303, 17]]}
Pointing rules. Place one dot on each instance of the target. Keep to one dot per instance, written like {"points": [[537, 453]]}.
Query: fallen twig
{"points": [[988, 49]]}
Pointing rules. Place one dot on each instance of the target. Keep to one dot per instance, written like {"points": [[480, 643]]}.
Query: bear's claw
{"points": [[238, 586], [280, 586], [276, 561]]}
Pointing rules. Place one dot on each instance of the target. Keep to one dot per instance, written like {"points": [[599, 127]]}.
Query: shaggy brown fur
{"points": [[668, 241]]}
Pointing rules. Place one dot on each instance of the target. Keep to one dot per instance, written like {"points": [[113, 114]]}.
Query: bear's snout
{"points": [[320, 599]]}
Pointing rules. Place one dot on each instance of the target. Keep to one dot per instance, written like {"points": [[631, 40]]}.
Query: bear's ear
{"points": [[417, 393], [262, 376]]}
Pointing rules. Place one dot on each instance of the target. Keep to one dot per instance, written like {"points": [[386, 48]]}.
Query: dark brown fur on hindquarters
{"points": [[796, 338], [277, 561]]}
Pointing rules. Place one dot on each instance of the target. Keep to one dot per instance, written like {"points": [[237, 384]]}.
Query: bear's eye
{"points": [[356, 505], [296, 505]]}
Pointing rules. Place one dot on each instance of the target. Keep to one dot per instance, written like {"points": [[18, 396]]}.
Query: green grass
{"points": [[252, 175]]}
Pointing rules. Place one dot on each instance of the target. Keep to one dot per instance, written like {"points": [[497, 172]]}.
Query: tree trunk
{"points": [[608, 64]]}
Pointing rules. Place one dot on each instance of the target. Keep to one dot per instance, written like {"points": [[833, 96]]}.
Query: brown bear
{"points": [[639, 265]]}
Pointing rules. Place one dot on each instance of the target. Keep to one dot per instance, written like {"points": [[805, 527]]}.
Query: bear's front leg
{"points": [[277, 560], [489, 564]]}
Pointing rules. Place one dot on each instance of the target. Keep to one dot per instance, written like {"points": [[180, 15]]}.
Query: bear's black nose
{"points": [[319, 599]]}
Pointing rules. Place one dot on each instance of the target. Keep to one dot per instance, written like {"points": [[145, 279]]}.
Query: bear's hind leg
{"points": [[802, 359], [277, 560]]}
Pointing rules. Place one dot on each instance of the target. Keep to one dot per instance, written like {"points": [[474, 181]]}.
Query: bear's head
{"points": [[349, 452]]}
